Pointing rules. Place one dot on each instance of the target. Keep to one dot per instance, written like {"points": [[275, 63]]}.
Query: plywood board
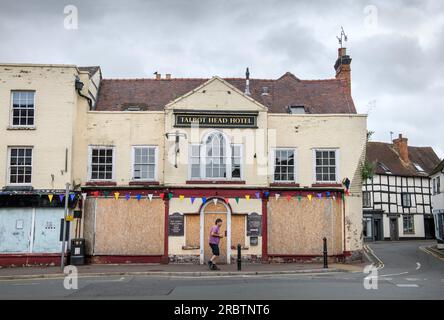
{"points": [[238, 230], [88, 224], [297, 227], [192, 230], [129, 227]]}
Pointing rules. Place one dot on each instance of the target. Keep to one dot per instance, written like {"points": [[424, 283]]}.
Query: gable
{"points": [[216, 94]]}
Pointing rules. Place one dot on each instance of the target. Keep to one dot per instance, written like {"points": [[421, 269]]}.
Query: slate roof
{"points": [[317, 96], [438, 168], [385, 153], [91, 70]]}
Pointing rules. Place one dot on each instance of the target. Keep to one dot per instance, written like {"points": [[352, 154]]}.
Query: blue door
{"points": [[15, 230]]}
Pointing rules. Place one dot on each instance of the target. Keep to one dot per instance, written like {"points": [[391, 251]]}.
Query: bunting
{"points": [[192, 199], [215, 201], [237, 199], [127, 197], [84, 196], [309, 196], [139, 196], [61, 197], [277, 195], [227, 200], [247, 197], [72, 196], [258, 195], [116, 195], [50, 196], [150, 197], [181, 197]]}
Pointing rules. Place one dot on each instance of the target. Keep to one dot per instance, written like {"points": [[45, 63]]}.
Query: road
{"points": [[407, 273]]}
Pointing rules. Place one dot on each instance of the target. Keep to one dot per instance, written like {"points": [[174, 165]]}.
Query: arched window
{"points": [[215, 158]]}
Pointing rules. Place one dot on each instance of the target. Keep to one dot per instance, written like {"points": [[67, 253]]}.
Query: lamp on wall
{"points": [[177, 135]]}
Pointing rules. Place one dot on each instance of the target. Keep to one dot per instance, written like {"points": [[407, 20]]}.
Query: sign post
{"points": [[62, 262]]}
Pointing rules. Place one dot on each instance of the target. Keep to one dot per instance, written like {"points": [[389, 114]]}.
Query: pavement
{"points": [[186, 270], [406, 270]]}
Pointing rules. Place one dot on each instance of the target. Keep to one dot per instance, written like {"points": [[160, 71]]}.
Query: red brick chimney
{"points": [[342, 68], [402, 147]]}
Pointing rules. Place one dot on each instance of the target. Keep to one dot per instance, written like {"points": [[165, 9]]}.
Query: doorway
{"points": [[429, 227], [394, 233], [377, 227], [211, 211]]}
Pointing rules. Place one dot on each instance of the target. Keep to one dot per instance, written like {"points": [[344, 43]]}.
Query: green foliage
{"points": [[368, 170]]}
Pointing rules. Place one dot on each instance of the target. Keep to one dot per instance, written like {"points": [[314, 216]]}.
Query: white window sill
{"points": [[21, 128]]}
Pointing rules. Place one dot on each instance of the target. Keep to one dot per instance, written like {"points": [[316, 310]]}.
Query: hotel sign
{"points": [[216, 119]]}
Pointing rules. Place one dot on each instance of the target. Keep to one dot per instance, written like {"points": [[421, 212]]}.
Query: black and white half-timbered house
{"points": [[397, 199]]}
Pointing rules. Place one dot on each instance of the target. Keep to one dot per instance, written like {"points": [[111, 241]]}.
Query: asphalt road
{"points": [[407, 273]]}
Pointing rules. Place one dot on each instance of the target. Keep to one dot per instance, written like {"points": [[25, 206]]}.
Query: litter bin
{"points": [[77, 252]]}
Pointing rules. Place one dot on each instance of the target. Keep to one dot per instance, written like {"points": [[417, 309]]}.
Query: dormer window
{"points": [[133, 108], [296, 110], [384, 167], [264, 91]]}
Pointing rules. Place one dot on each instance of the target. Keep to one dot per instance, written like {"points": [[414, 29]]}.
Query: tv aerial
{"points": [[342, 37]]}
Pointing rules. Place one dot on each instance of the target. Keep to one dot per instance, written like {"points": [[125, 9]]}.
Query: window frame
{"points": [[337, 172], [202, 159], [411, 230], [403, 204], [273, 164], [8, 175], [113, 174], [369, 205], [133, 161], [11, 109]]}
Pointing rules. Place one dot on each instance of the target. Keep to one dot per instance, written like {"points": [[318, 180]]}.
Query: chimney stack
{"points": [[247, 82], [168, 76], [402, 147], [342, 68], [158, 75]]}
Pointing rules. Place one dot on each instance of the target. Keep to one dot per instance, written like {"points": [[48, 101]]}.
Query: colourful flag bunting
{"points": [[227, 200], [170, 195], [277, 195], [72, 196], [204, 199], [328, 194], [150, 197], [105, 194], [237, 199], [299, 198], [288, 198], [162, 195], [116, 195], [266, 194], [319, 195], [309, 196], [181, 197], [215, 201], [258, 195], [192, 199], [139, 196], [84, 196], [50, 197], [247, 197], [128, 196], [61, 196]]}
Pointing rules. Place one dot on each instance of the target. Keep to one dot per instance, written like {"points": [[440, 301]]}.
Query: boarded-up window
{"points": [[238, 229], [192, 230]]}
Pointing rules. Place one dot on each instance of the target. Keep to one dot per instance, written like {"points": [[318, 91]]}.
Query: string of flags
{"points": [[258, 195]]}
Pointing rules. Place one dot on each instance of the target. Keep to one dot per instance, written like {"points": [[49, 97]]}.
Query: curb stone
{"points": [[161, 273]]}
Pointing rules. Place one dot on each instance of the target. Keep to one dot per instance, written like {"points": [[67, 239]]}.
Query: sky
{"points": [[397, 47]]}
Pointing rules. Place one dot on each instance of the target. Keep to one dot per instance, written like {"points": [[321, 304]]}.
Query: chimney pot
{"points": [[158, 76], [168, 76]]}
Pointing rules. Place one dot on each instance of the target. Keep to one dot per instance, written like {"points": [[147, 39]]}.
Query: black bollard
{"points": [[325, 253], [239, 258]]}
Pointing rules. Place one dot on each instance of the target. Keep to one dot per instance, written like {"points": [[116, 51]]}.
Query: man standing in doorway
{"points": [[214, 240]]}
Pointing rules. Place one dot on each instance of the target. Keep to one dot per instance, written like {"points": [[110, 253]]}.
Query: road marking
{"points": [[393, 274], [418, 266], [412, 279], [407, 285], [25, 284], [381, 263], [426, 250]]}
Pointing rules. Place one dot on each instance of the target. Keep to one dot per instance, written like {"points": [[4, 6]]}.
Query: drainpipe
{"points": [[79, 87]]}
